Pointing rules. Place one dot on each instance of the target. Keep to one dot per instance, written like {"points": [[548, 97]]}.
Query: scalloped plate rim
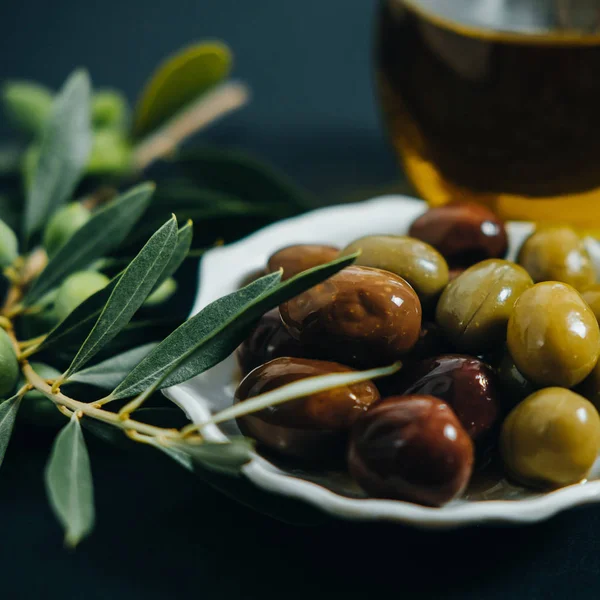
{"points": [[264, 475]]}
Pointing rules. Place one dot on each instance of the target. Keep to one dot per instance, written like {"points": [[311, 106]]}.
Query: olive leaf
{"points": [[210, 336], [69, 483], [104, 231], [27, 104], [184, 242], [63, 155], [109, 373], [222, 457], [243, 176], [179, 456], [8, 414], [178, 81], [133, 287]]}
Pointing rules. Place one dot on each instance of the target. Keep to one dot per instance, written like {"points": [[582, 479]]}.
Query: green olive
{"points": [[109, 109], [9, 367], [63, 224], [557, 254], [474, 308], [514, 386], [111, 152], [75, 289], [8, 245], [35, 408], [415, 261], [551, 439], [592, 296], [553, 336]]}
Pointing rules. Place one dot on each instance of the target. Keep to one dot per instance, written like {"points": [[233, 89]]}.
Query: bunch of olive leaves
{"points": [[71, 297]]}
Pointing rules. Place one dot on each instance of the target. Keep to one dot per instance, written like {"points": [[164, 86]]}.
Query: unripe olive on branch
{"points": [[9, 246], [63, 224], [75, 289], [9, 367]]}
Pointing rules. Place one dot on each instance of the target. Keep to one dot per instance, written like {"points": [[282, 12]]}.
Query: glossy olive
{"points": [[268, 340], [465, 383], [551, 439], [411, 448], [553, 336], [473, 310], [300, 257], [592, 296], [360, 316], [514, 386], [415, 261], [313, 427], [557, 254], [465, 233]]}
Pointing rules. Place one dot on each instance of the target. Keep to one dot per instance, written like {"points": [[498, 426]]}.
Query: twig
{"points": [[214, 105]]}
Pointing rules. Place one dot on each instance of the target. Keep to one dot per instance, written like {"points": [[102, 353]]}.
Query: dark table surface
{"points": [[161, 533]]}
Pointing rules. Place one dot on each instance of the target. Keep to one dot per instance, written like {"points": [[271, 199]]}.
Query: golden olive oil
{"points": [[507, 118]]}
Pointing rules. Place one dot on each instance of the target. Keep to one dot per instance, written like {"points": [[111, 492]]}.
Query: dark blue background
{"points": [[162, 533]]}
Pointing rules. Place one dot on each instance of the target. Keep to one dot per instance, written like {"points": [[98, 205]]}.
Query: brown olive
{"points": [[360, 316], [465, 383], [465, 233], [592, 296], [268, 340], [474, 309], [557, 254], [415, 261], [553, 336], [314, 426], [300, 257], [411, 448]]}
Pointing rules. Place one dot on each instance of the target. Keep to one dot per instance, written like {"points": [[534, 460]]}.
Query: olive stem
{"points": [[212, 106], [90, 410], [32, 341]]}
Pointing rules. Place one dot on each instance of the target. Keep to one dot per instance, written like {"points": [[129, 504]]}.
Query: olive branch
{"points": [[89, 272]]}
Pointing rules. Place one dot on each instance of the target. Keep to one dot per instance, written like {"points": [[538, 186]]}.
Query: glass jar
{"points": [[496, 101]]}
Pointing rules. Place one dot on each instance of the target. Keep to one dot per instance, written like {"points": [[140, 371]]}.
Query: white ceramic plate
{"points": [[221, 272]]}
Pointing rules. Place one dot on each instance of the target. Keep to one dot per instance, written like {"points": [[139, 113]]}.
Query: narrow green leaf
{"points": [[222, 457], [210, 336], [104, 231], [184, 242], [69, 483], [64, 150], [111, 372], [178, 80], [133, 287], [301, 388], [8, 414]]}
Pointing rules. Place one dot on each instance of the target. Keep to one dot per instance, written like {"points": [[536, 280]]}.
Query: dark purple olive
{"points": [[268, 340], [312, 427], [411, 448], [466, 383], [301, 257], [464, 233]]}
